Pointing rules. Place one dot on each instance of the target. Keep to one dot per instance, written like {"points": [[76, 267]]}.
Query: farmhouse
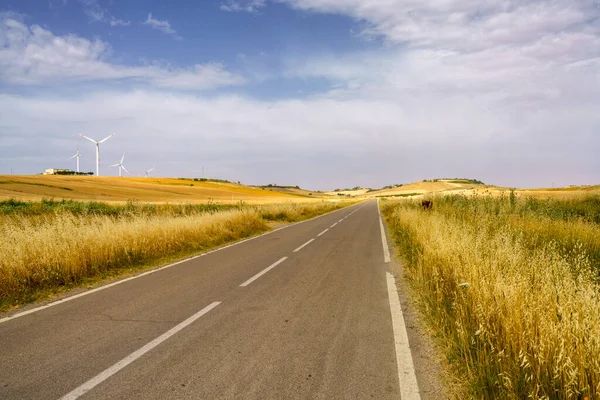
{"points": [[54, 171]]}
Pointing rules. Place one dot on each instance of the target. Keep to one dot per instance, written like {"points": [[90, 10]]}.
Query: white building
{"points": [[54, 171]]}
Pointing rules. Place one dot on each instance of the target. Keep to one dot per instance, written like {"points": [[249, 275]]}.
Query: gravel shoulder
{"points": [[433, 375]]}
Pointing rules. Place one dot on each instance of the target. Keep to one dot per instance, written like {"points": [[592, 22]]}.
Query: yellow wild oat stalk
{"points": [[514, 295]]}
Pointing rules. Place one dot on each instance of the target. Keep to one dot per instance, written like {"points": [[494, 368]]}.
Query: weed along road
{"points": [[309, 311]]}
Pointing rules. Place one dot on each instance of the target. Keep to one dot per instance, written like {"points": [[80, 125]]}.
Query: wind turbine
{"points": [[78, 154], [97, 149], [148, 171], [121, 167]]}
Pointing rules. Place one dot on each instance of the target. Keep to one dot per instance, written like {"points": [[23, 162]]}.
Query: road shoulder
{"points": [[432, 376]]}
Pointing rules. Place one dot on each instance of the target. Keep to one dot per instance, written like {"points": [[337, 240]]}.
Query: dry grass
{"points": [[515, 296], [297, 211], [423, 188], [45, 252], [561, 193], [114, 189], [462, 187]]}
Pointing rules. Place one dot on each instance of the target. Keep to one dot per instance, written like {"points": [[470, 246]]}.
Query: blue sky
{"points": [[317, 93], [246, 43]]}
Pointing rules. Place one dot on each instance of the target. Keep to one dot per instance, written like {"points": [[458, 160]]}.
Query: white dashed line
{"points": [[323, 232], [107, 373], [333, 225], [304, 245], [264, 271]]}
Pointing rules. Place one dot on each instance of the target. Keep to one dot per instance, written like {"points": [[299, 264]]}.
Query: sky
{"points": [[322, 94]]}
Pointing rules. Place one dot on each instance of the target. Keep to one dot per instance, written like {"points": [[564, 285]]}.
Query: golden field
{"points": [[427, 187], [462, 187], [155, 190], [510, 284]]}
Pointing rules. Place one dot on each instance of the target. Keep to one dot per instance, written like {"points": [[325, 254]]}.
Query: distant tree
{"points": [[68, 172]]}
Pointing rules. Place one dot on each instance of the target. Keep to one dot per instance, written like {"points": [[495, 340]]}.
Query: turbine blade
{"points": [[122, 158], [151, 169], [114, 165], [72, 157], [124, 169], [106, 138], [85, 137]]}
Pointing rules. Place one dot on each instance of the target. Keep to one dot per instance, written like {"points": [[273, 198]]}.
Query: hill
{"points": [[468, 187], [293, 190], [430, 186], [114, 189]]}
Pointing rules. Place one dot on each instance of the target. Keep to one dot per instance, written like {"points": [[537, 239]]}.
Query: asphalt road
{"points": [[263, 319]]}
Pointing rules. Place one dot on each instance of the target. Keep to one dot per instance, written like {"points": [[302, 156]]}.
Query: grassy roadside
{"points": [[13, 207], [57, 249], [510, 285]]}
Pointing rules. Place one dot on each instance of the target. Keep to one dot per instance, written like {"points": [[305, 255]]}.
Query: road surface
{"points": [[304, 312]]}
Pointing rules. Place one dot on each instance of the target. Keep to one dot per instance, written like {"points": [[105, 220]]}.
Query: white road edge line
{"points": [[333, 225], [107, 373], [323, 232], [386, 250], [264, 271], [304, 245], [66, 299], [409, 388]]}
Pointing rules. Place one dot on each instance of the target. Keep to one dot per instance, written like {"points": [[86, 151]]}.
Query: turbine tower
{"points": [[97, 143], [121, 167], [148, 171], [78, 154]]}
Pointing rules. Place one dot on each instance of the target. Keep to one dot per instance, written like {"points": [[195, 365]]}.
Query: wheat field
{"points": [[511, 286], [156, 190]]}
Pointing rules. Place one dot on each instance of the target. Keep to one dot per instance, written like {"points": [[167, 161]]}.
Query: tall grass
{"points": [[513, 293], [131, 208], [287, 212], [586, 208], [45, 251], [571, 222], [292, 212]]}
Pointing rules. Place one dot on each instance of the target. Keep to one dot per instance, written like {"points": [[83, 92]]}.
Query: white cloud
{"points": [[34, 55], [250, 6], [461, 25], [504, 91], [96, 13], [112, 21], [319, 142], [511, 56], [163, 26], [497, 39], [202, 76], [516, 73]]}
